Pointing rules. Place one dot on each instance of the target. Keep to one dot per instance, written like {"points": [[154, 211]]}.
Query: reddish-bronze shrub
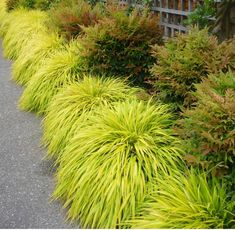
{"points": [[69, 16], [208, 129], [120, 44], [186, 60]]}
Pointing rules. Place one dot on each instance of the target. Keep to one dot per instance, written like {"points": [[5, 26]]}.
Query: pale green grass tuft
{"points": [[22, 27], [33, 55], [105, 170], [3, 13], [7, 18], [186, 201], [70, 108], [62, 68]]}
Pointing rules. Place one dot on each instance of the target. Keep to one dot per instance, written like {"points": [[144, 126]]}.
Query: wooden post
{"points": [[225, 20], [190, 8], [182, 4]]}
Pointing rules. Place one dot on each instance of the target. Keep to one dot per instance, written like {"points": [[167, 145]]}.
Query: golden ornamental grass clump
{"points": [[20, 30], [59, 70], [105, 170], [7, 18], [188, 201], [34, 54], [2, 12], [70, 108]]}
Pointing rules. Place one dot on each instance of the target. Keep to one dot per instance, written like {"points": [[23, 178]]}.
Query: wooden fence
{"points": [[173, 13]]}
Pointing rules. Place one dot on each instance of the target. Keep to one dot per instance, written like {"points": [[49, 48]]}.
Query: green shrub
{"points": [[69, 16], [223, 57], [186, 202], [203, 14], [20, 30], [28, 4], [186, 60], [106, 168], [46, 4], [209, 128], [94, 2], [31, 4], [33, 55], [63, 67], [120, 44], [72, 107]]}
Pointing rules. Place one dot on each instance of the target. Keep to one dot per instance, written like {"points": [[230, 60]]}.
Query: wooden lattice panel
{"points": [[172, 14]]}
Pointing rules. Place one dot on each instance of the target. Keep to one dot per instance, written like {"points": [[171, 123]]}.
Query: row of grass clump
{"points": [[142, 131]]}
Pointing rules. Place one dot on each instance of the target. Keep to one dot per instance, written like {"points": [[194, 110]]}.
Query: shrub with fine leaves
{"points": [[106, 168], [209, 128], [187, 60], [31, 4], [68, 17], [120, 44], [72, 107]]}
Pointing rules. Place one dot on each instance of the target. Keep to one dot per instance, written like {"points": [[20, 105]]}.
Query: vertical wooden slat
{"points": [[171, 21], [161, 17], [182, 4], [190, 5]]}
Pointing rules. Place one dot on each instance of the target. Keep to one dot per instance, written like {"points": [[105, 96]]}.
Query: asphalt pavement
{"points": [[26, 180]]}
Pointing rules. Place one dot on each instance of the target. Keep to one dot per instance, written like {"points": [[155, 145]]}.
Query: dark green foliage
{"points": [[203, 14], [94, 2], [187, 60], [45, 4], [120, 44], [209, 128], [31, 4]]}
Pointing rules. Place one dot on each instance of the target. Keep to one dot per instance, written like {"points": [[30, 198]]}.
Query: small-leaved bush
{"points": [[188, 201], [187, 60], [208, 128], [46, 4], [94, 2], [105, 170], [69, 16], [203, 15], [120, 44], [70, 108], [60, 69], [31, 4]]}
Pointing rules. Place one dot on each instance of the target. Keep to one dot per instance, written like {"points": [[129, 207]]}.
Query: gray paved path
{"points": [[26, 182]]}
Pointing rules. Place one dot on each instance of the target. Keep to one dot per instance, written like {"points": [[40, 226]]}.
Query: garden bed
{"points": [[142, 131]]}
